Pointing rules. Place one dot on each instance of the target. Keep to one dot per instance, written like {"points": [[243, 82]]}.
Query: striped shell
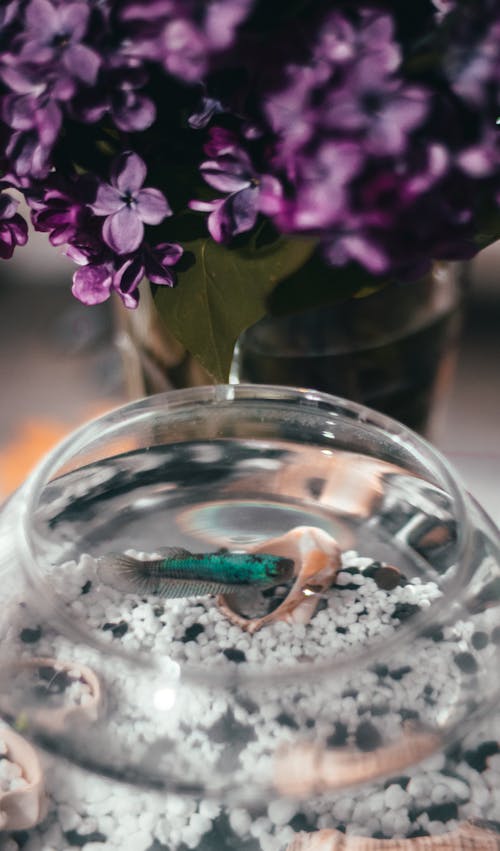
{"points": [[305, 769], [467, 837]]}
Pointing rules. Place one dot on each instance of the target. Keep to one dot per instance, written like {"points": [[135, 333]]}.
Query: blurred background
{"points": [[59, 367]]}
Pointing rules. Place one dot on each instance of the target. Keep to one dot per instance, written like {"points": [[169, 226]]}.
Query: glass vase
{"points": [[393, 350], [354, 696]]}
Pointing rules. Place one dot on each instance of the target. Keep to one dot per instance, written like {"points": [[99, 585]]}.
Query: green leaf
{"points": [[221, 291]]}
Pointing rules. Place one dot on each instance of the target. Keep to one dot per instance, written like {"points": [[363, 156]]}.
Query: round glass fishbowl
{"points": [[253, 618]]}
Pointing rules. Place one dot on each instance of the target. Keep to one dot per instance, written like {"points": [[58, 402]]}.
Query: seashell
{"points": [[348, 483], [467, 837], [21, 809], [317, 562], [53, 719], [307, 769]]}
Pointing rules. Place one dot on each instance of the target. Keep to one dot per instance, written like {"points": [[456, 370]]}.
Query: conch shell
{"points": [[317, 562], [21, 809], [306, 769], [467, 837]]}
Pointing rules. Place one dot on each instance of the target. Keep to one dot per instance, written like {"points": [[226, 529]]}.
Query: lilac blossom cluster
{"points": [[370, 129]]}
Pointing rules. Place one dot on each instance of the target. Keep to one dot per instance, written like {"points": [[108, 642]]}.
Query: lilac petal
{"points": [[7, 243], [42, 17], [220, 179], [32, 49], [130, 274], [367, 253], [92, 284], [270, 195], [18, 111], [128, 172], [235, 215], [222, 18], [108, 200], [134, 112], [477, 161], [205, 206], [123, 231], [73, 19], [130, 300], [169, 252], [217, 222], [152, 206], [21, 82], [157, 273], [48, 123], [82, 62]]}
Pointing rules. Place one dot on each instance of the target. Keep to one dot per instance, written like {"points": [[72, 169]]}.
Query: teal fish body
{"points": [[180, 573]]}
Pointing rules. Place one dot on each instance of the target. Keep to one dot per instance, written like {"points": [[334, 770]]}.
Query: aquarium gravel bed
{"points": [[367, 602]]}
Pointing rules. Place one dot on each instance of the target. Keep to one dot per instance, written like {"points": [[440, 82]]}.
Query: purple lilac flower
{"points": [[321, 189], [473, 64], [120, 94], [380, 111], [93, 283], [184, 34], [250, 193], [13, 228], [60, 209], [127, 206], [53, 33]]}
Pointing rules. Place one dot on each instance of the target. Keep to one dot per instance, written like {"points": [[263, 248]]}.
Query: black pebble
{"points": [[234, 655], [479, 640], [192, 632], [118, 629], [221, 837], [158, 612], [478, 759], [86, 588], [286, 720], [381, 671], [403, 611], [466, 662], [341, 630], [419, 831], [434, 632], [367, 736], [30, 636], [310, 723], [495, 635], [443, 812], [399, 673], [81, 839], [300, 822], [339, 737], [409, 714]]}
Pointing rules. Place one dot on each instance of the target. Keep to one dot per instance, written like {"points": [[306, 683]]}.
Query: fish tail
{"points": [[126, 573]]}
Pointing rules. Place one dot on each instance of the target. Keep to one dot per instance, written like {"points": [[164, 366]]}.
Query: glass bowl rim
{"points": [[214, 394]]}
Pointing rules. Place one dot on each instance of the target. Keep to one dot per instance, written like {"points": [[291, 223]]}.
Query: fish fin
{"points": [[126, 573], [175, 588], [173, 552]]}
